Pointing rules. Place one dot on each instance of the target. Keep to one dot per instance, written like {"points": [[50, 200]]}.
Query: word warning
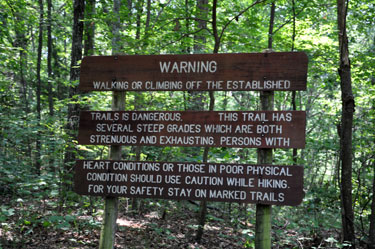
{"points": [[277, 71], [253, 129], [264, 184]]}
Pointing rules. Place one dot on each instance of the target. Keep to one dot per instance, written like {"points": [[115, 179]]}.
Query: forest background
{"points": [[41, 46]]}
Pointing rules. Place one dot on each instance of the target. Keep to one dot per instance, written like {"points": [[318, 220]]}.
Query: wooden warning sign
{"points": [[253, 129], [265, 184], [277, 71]]}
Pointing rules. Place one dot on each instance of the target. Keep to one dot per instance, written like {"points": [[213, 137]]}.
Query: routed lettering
{"points": [[268, 184], [277, 71], [248, 129]]}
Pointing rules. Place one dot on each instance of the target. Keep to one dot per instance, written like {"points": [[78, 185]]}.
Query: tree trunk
{"points": [[73, 109], [197, 98], [38, 89], [89, 28], [294, 106], [187, 47], [148, 16], [51, 146], [203, 204], [21, 42], [139, 7], [49, 58], [371, 244], [270, 29], [346, 127]]}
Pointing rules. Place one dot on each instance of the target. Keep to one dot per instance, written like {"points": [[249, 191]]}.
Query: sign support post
{"points": [[108, 230], [263, 212]]}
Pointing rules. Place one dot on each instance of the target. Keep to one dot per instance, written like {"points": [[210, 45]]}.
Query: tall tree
{"points": [[197, 98], [217, 36], [371, 244], [294, 106], [51, 146], [89, 28], [73, 109], [21, 43], [200, 38], [49, 57], [39, 86], [345, 131]]}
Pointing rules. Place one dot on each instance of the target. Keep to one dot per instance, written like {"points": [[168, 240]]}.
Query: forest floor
{"points": [[162, 224]]}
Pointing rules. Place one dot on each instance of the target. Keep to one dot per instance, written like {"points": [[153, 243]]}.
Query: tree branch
{"points": [[158, 15], [291, 19], [185, 35], [237, 16]]}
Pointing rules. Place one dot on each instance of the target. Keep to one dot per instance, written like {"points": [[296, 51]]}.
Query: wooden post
{"points": [[108, 231], [263, 212], [107, 234]]}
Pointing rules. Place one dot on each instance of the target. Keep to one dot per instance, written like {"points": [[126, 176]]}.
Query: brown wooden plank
{"points": [[252, 129], [281, 71], [265, 184]]}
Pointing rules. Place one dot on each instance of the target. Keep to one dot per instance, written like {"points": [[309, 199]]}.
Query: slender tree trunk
{"points": [[49, 57], [89, 28], [198, 97], [203, 204], [270, 29], [21, 42], [371, 244], [294, 106], [148, 16], [187, 48], [39, 86], [51, 146], [294, 24], [200, 39], [139, 8], [346, 126], [138, 98], [73, 109]]}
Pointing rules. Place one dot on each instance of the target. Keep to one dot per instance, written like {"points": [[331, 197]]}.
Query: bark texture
{"points": [[371, 244], [346, 126], [73, 109], [39, 86]]}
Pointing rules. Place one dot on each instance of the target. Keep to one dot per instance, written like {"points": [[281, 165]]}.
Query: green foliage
{"points": [[37, 201]]}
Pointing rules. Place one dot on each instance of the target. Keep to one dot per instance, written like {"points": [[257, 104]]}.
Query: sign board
{"points": [[276, 71], [265, 184], [250, 129]]}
